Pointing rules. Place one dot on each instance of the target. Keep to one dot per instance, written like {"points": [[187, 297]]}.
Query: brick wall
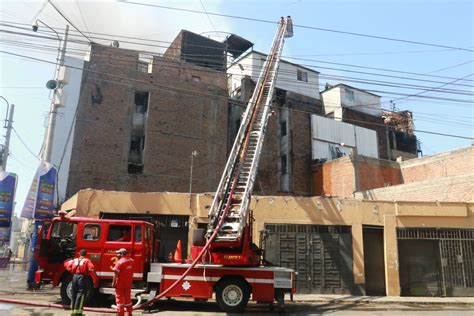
{"points": [[299, 136], [452, 163], [450, 189], [334, 178], [375, 173], [344, 176], [183, 115]]}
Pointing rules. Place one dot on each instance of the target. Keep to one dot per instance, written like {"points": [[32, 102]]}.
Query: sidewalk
{"points": [[349, 299]]}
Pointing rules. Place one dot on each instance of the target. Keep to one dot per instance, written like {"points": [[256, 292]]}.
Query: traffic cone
{"points": [[177, 253]]}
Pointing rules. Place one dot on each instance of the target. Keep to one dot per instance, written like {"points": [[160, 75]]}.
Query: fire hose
{"points": [[156, 298], [181, 278]]}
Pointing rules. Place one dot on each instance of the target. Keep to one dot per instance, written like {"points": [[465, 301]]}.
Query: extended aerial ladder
{"points": [[233, 243]]}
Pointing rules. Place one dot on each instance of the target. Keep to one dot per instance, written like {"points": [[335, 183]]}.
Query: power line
{"points": [[369, 90], [24, 143], [65, 17], [286, 57], [367, 81], [299, 25]]}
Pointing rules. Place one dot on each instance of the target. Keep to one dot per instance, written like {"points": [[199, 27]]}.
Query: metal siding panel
{"points": [[333, 131], [320, 150], [366, 142]]}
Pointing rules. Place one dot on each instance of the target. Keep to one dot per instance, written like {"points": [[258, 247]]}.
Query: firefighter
{"points": [[80, 268], [122, 282]]}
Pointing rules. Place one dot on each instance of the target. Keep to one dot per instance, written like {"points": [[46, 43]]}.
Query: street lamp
{"points": [[194, 154], [35, 29]]}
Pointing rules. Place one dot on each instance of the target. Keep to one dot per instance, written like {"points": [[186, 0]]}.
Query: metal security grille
{"points": [[322, 255], [456, 255]]}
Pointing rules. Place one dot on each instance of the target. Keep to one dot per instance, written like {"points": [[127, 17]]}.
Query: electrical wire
{"points": [[113, 37], [24, 144], [298, 26], [366, 81]]}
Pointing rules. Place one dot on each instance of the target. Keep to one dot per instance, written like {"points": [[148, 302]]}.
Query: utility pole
{"points": [[194, 154], [8, 126], [48, 143]]}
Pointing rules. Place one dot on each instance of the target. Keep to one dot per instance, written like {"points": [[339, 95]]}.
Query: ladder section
{"points": [[230, 204]]}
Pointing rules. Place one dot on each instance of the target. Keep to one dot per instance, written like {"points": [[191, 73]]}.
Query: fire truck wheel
{"points": [[66, 291], [232, 295]]}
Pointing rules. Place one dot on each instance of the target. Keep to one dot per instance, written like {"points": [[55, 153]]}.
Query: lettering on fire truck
{"points": [[232, 257]]}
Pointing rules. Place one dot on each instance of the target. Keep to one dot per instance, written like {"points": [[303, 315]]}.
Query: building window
{"points": [[142, 66], [145, 63], [138, 131], [196, 79], [283, 165], [282, 129], [302, 75], [349, 95], [91, 232]]}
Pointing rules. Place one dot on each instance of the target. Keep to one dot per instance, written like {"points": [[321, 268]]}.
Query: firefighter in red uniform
{"points": [[123, 282], [80, 268]]}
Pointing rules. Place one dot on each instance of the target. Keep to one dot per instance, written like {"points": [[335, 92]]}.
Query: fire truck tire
{"points": [[198, 237], [66, 291], [232, 295]]}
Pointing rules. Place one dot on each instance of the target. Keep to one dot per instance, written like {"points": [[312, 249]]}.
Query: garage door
{"points": [[322, 255]]}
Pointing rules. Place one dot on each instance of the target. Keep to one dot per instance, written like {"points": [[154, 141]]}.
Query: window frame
{"points": [[98, 235], [301, 75]]}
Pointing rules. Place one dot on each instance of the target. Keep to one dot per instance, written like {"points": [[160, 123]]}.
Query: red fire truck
{"points": [[224, 260], [63, 237]]}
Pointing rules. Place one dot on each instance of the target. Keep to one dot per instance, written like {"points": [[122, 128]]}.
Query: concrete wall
{"points": [[297, 210], [183, 115], [362, 101], [65, 121], [252, 65]]}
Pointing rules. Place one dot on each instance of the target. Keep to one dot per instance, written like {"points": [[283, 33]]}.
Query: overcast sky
{"points": [[445, 23]]}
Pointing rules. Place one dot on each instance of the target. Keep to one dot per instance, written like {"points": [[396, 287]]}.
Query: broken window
{"points": [[302, 75], [138, 131]]}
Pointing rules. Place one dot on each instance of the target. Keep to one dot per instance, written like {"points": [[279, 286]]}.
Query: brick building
{"points": [[285, 161], [136, 126], [446, 177]]}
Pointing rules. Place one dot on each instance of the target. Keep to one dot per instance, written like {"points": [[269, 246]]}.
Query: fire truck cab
{"points": [[62, 238]]}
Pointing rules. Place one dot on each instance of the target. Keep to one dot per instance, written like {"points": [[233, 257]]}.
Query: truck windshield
{"points": [[64, 230]]}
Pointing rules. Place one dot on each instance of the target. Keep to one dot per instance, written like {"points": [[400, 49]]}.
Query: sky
{"points": [[402, 68]]}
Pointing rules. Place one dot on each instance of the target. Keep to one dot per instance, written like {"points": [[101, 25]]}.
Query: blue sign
{"points": [[7, 196], [5, 235], [40, 201]]}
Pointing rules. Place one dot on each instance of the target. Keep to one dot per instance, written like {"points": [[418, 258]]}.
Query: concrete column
{"points": [[392, 276], [358, 259]]}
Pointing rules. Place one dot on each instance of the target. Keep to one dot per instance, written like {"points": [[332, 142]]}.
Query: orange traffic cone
{"points": [[177, 253]]}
